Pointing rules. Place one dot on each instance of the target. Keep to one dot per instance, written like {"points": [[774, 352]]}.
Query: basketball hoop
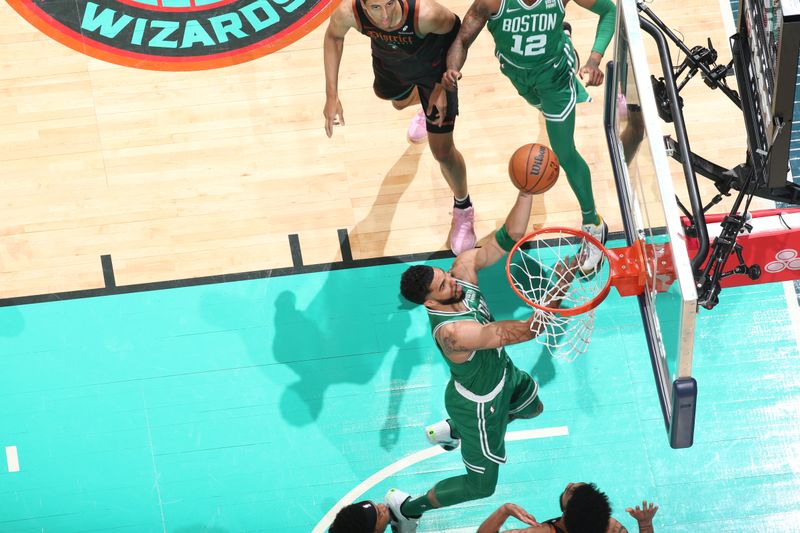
{"points": [[543, 272]]}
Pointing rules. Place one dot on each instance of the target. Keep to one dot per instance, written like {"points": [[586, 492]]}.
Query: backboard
{"points": [[650, 214]]}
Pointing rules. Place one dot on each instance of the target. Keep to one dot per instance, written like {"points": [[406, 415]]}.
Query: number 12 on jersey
{"points": [[534, 44]]}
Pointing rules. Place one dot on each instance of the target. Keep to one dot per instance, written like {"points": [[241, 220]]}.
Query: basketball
{"points": [[533, 168]]}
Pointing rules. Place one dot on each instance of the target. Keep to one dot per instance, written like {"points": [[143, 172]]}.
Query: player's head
{"points": [[422, 284], [586, 509], [361, 517], [382, 12]]}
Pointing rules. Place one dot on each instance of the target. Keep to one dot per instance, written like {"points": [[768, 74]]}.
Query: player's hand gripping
{"points": [[334, 116], [450, 79], [438, 101], [590, 72], [564, 273]]}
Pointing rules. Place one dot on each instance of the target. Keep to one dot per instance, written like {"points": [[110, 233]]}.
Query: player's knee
{"points": [[532, 412], [482, 489], [443, 152]]}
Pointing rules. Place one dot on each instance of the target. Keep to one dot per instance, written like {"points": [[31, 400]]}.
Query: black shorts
{"points": [[389, 86]]}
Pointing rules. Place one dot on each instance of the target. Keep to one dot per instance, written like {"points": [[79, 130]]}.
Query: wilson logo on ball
{"points": [[175, 34], [533, 168]]}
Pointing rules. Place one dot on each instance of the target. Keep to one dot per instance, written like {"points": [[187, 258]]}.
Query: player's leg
{"points": [[480, 480], [477, 483], [451, 162], [525, 402], [562, 139], [560, 91], [561, 133], [411, 99]]}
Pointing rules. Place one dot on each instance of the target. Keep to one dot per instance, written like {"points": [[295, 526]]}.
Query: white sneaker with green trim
{"points": [[400, 523], [440, 433], [590, 256]]}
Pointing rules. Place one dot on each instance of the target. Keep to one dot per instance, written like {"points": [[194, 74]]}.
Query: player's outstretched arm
{"points": [[493, 523], [467, 264], [474, 21], [459, 339], [591, 72], [341, 20]]}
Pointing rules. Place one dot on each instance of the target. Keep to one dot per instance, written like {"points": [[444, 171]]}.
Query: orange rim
{"points": [[572, 311]]}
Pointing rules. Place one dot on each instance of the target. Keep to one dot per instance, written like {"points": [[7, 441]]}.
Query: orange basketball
{"points": [[533, 168]]}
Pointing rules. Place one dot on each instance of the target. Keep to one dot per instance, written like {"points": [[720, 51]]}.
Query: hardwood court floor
{"points": [[180, 175]]}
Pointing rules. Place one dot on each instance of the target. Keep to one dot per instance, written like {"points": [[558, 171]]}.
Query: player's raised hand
{"points": [[438, 101], [645, 514], [450, 79], [520, 514], [334, 116]]}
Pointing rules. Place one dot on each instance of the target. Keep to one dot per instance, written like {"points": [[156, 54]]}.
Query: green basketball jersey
{"points": [[485, 368], [529, 36]]}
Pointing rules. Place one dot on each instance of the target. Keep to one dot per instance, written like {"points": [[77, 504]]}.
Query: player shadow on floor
{"points": [[386, 332]]}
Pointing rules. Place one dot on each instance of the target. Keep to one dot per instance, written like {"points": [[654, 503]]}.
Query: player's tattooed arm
{"points": [[459, 339], [474, 21]]}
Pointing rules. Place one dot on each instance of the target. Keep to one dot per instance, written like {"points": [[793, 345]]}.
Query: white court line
{"points": [[12, 458], [414, 458]]}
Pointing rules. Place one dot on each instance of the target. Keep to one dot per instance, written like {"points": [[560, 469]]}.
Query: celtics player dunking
{"points": [[486, 391], [538, 58]]}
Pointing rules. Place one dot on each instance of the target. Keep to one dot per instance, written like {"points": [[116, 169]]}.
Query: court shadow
{"points": [[404, 363], [369, 235], [303, 400], [375, 227], [299, 343]]}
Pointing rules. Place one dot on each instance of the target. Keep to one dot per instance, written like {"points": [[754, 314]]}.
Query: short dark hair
{"points": [[358, 517], [416, 282], [587, 510]]}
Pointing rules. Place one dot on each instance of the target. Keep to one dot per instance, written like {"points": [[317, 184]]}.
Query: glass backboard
{"points": [[650, 214]]}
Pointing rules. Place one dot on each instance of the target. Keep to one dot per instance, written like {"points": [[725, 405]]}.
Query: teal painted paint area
{"points": [[255, 406]]}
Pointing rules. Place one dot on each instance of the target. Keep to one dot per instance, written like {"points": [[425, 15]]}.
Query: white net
{"points": [[545, 272]]}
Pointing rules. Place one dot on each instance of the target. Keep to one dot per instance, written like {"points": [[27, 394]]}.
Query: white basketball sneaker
{"points": [[590, 256], [400, 523], [440, 433]]}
